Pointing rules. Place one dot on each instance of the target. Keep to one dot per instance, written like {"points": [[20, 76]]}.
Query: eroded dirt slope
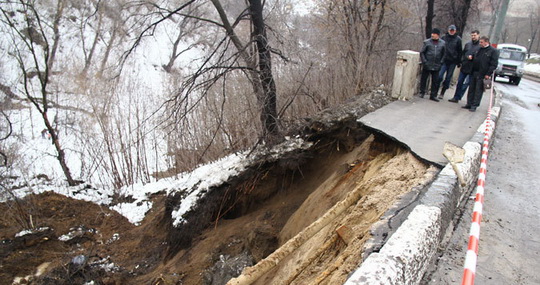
{"points": [[329, 257], [272, 203]]}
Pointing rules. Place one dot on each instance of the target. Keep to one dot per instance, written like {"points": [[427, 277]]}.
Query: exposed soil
{"points": [[272, 203]]}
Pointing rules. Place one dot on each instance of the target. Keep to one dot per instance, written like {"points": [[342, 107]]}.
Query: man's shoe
{"points": [[466, 107], [453, 100], [442, 93], [472, 109], [433, 99], [422, 95]]}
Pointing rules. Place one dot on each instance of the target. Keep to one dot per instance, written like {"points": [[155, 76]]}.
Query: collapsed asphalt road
{"points": [[359, 160], [424, 127]]}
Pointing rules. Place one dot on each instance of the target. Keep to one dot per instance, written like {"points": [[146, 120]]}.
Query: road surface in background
{"points": [[509, 233]]}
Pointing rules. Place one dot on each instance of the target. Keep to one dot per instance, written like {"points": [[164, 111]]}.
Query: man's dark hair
{"points": [[475, 32], [485, 39]]}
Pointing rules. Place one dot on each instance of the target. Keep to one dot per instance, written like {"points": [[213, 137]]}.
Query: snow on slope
{"points": [[193, 185], [533, 67]]}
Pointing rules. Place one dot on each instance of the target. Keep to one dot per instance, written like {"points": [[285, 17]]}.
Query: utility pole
{"points": [[500, 21]]}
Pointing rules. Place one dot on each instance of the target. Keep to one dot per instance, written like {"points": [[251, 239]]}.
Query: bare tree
{"points": [[430, 15], [454, 13], [36, 54], [534, 21], [442, 13], [268, 97], [6, 132], [89, 54], [501, 15], [186, 28], [494, 4], [360, 26], [252, 57], [258, 66]]}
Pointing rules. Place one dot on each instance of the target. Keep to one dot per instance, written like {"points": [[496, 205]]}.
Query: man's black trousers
{"points": [[476, 90], [434, 74]]}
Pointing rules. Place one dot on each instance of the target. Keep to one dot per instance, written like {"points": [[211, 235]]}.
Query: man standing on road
{"points": [[432, 56], [484, 62], [452, 58], [466, 66]]}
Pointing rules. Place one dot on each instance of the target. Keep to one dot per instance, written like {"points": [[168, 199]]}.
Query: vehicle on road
{"points": [[511, 62]]}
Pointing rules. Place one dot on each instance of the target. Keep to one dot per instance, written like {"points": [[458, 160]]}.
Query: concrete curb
{"points": [[408, 253]]}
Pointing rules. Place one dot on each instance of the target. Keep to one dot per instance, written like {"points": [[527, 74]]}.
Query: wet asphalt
{"points": [[426, 125]]}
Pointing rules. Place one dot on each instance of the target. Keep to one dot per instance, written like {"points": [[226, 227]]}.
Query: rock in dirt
{"points": [[226, 268]]}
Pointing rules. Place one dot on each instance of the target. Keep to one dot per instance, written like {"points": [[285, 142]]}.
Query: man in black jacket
{"points": [[484, 62], [466, 66], [452, 58], [432, 56]]}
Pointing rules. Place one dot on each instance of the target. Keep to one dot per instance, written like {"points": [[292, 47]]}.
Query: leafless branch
{"points": [[7, 135], [152, 27], [288, 104]]}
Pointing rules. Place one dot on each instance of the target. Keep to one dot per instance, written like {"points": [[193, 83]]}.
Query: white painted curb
{"points": [[405, 257]]}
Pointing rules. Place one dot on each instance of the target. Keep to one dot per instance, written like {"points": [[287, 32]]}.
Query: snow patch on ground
{"points": [[207, 176], [134, 212], [192, 185], [196, 184], [533, 67], [32, 231]]}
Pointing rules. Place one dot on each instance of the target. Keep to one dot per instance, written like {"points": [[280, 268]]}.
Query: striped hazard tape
{"points": [[474, 233]]}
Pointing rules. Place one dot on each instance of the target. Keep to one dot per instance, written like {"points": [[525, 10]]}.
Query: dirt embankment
{"points": [[377, 175], [273, 202]]}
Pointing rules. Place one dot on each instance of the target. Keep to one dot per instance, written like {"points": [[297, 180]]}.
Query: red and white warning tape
{"points": [[474, 233]]}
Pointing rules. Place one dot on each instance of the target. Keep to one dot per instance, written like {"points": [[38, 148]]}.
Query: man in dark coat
{"points": [[484, 62], [452, 58], [466, 66], [432, 56]]}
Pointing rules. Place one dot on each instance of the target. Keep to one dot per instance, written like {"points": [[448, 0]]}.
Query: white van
{"points": [[511, 62]]}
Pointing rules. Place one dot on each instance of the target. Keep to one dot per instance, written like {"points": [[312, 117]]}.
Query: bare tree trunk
{"points": [[500, 21], [50, 62], [5, 134], [174, 54], [90, 56], [373, 32], [492, 25], [517, 34], [56, 36], [495, 4], [269, 100], [184, 30], [61, 155], [261, 78], [464, 16], [108, 49], [535, 22], [43, 69], [429, 17]]}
